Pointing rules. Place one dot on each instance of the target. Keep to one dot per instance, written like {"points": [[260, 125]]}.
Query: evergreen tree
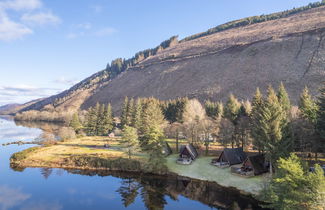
{"points": [[320, 126], [284, 99], [136, 115], [232, 113], [293, 187], [173, 109], [308, 106], [232, 109], [130, 140], [155, 145], [101, 118], [91, 122], [125, 112], [243, 123], [108, 119], [75, 123], [256, 114], [152, 118], [214, 109], [271, 128], [131, 107]]}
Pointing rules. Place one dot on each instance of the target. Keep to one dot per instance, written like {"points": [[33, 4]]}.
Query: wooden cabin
{"points": [[167, 150], [229, 157], [252, 166], [187, 154]]}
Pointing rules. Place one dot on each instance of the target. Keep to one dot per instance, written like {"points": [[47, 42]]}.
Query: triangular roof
{"points": [[257, 163], [233, 155], [191, 150]]}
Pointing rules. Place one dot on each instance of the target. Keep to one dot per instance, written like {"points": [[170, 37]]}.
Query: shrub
{"points": [[66, 133]]}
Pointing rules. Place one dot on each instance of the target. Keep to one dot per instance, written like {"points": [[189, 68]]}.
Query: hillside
{"points": [[236, 60], [10, 109]]}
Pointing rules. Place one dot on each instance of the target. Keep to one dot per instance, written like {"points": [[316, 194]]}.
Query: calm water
{"points": [[54, 189]]}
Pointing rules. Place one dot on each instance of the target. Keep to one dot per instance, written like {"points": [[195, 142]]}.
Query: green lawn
{"points": [[201, 169]]}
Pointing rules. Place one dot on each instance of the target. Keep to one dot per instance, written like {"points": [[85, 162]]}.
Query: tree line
{"points": [[253, 20]]}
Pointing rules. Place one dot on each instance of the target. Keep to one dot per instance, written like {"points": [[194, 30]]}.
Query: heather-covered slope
{"points": [[237, 60], [291, 50]]}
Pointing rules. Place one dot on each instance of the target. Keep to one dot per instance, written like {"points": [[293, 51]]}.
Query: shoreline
{"points": [[81, 154]]}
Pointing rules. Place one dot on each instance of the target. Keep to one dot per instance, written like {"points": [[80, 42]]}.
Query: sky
{"points": [[46, 46]]}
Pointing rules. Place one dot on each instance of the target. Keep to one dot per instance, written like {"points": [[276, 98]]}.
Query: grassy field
{"points": [[57, 154], [93, 147], [201, 169]]}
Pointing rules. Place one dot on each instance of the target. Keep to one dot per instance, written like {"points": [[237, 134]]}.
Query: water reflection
{"points": [[47, 188], [44, 126], [7, 133], [10, 197], [153, 191]]}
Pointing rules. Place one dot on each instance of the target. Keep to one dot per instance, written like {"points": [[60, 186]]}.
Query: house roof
{"points": [[191, 150], [234, 155], [258, 163]]}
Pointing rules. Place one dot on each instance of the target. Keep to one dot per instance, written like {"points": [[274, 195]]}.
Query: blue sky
{"points": [[48, 45]]}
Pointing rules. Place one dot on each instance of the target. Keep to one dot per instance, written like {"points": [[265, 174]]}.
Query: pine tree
{"points": [[232, 113], [91, 122], [130, 140], [256, 114], [152, 117], [136, 115], [75, 123], [101, 124], [293, 187], [232, 109], [214, 109], [308, 106], [155, 144], [284, 99], [131, 107], [108, 119], [271, 129], [320, 126], [125, 112]]}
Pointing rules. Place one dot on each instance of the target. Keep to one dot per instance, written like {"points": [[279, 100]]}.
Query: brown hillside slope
{"points": [[291, 50]]}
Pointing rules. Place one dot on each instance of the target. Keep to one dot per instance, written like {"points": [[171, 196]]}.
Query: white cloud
{"points": [[21, 4], [31, 13], [24, 93], [41, 18], [10, 30], [105, 31]]}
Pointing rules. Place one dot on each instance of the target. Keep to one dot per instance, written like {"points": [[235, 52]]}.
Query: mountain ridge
{"points": [[305, 25]]}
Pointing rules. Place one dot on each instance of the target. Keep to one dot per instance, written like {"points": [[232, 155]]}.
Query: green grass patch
{"points": [[201, 169]]}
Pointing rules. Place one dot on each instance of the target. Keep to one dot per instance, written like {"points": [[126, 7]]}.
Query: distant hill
{"points": [[10, 109], [5, 108], [235, 57]]}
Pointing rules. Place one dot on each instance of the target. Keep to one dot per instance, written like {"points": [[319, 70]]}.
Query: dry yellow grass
{"points": [[55, 155]]}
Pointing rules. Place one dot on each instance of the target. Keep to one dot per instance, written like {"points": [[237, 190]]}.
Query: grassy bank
{"points": [[202, 170], [90, 153]]}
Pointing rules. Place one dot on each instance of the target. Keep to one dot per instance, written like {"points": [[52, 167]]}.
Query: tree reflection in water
{"points": [[128, 191], [154, 190]]}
